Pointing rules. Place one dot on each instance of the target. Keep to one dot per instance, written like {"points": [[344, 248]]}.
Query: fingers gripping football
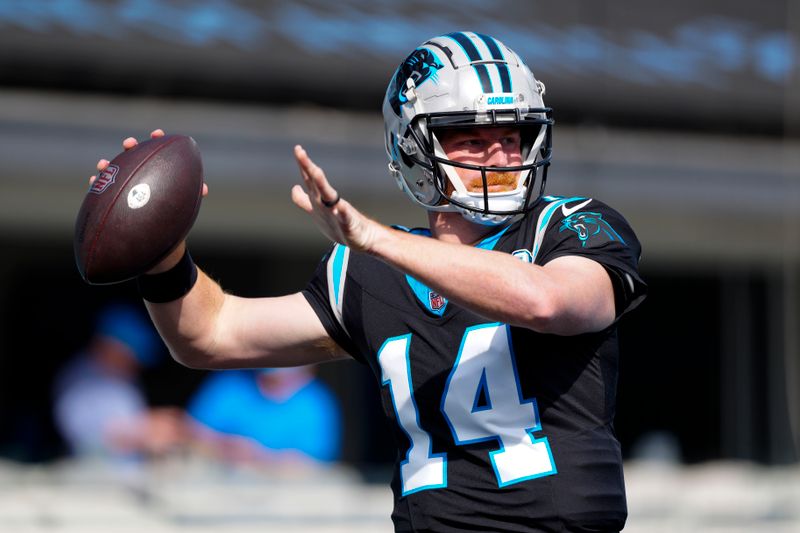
{"points": [[127, 144], [336, 218]]}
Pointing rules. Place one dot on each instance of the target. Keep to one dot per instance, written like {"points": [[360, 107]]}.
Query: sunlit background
{"points": [[683, 115]]}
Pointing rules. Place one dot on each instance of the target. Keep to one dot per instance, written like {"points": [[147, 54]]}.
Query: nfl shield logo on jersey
{"points": [[436, 300]]}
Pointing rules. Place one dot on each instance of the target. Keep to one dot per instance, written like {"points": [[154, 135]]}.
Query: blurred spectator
{"points": [[100, 408], [658, 447], [281, 415]]}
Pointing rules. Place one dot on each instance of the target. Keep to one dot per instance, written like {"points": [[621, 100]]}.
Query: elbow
{"points": [[557, 315], [549, 314], [199, 350], [192, 360], [538, 311], [543, 319]]}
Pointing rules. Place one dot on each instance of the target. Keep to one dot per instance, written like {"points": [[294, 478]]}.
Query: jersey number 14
{"points": [[482, 400]]}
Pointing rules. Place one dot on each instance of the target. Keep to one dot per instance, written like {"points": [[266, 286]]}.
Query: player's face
{"points": [[492, 146]]}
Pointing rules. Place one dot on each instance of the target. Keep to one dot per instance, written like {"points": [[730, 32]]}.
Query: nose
{"points": [[496, 155]]}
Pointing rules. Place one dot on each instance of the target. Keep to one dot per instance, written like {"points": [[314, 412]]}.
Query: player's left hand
{"points": [[335, 216]]}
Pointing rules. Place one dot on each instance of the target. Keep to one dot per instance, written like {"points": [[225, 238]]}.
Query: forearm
{"points": [[210, 329], [206, 328], [189, 325], [500, 287], [486, 282]]}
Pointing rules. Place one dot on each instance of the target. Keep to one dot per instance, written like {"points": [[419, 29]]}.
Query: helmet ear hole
{"points": [[407, 160]]}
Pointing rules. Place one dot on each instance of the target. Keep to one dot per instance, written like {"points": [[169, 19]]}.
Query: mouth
{"points": [[495, 181]]}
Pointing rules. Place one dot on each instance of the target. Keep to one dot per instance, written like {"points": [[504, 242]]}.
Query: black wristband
{"points": [[170, 285]]}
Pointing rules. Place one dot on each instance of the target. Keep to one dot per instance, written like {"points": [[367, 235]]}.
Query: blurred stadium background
{"points": [[684, 115]]}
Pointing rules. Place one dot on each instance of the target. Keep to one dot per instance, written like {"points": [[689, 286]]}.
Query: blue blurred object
{"points": [[130, 326], [294, 411]]}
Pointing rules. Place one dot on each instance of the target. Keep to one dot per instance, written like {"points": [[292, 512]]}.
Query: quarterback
{"points": [[492, 332]]}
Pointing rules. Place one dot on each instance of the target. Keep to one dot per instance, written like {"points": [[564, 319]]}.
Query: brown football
{"points": [[138, 209]]}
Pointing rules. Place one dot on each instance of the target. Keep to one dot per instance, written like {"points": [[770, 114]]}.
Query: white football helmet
{"points": [[462, 80]]}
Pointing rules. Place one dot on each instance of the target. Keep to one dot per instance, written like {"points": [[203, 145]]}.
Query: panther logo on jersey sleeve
{"points": [[590, 226]]}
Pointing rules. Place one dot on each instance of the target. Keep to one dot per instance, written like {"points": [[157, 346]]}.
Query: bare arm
{"points": [[568, 296], [210, 329]]}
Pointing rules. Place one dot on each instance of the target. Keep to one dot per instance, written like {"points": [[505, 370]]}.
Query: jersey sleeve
{"points": [[325, 292], [598, 232]]}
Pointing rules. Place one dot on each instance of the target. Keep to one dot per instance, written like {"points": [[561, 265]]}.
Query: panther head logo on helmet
{"points": [[419, 66]]}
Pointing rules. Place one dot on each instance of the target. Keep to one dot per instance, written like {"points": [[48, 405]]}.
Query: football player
{"points": [[492, 332]]}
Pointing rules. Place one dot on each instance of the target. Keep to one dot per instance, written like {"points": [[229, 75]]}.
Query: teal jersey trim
{"points": [[546, 215], [337, 278], [422, 291], [338, 274]]}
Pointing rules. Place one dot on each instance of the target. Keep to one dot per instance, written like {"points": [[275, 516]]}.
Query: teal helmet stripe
{"points": [[497, 54], [473, 55]]}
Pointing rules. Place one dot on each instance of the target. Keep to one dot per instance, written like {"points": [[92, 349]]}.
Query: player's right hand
{"points": [[127, 144], [174, 256]]}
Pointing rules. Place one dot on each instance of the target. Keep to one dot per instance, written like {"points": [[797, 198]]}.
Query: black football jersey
{"points": [[498, 428]]}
